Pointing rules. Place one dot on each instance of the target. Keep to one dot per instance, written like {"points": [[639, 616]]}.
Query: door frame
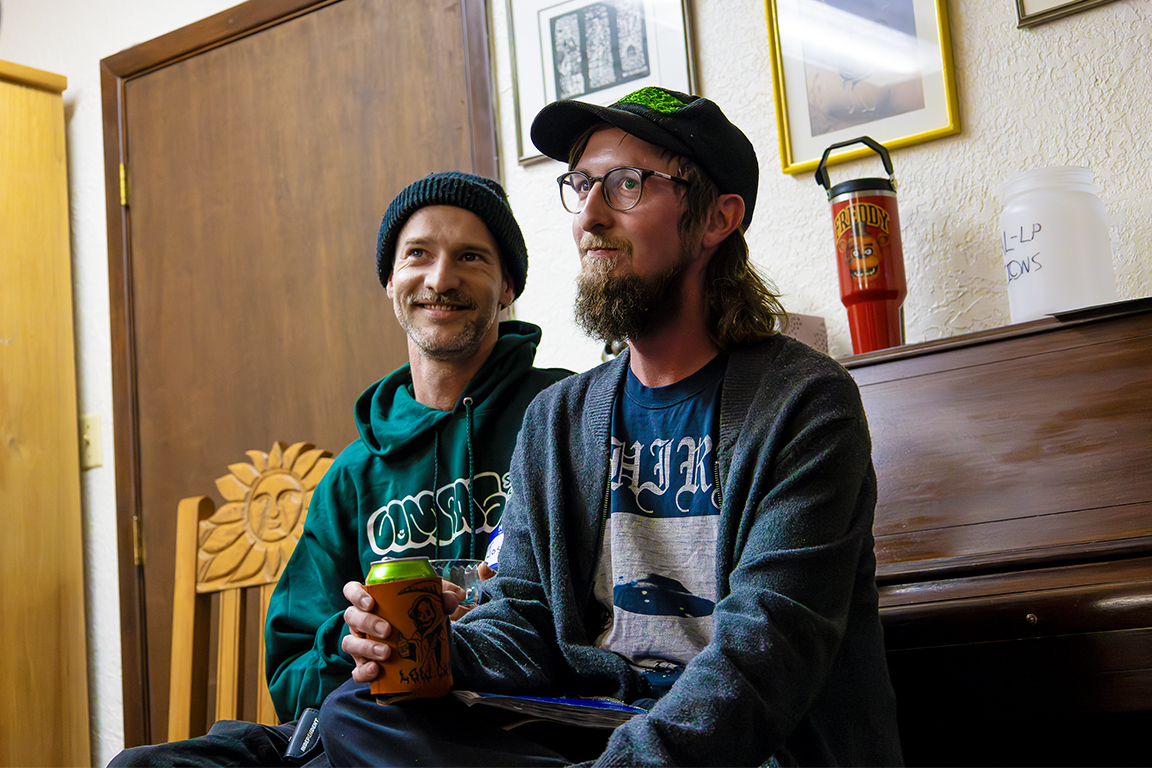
{"points": [[217, 30]]}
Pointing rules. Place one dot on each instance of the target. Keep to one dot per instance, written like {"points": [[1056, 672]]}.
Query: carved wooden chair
{"points": [[244, 545]]}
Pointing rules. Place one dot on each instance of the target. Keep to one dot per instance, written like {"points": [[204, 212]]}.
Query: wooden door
{"points": [[42, 644], [260, 149]]}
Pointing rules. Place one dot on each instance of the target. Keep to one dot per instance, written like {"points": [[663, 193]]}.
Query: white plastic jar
{"points": [[1054, 234]]}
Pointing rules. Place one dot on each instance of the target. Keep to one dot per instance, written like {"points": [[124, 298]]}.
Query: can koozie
{"points": [[418, 666]]}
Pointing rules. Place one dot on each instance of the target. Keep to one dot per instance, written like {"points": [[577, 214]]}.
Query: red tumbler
{"points": [[869, 254]]}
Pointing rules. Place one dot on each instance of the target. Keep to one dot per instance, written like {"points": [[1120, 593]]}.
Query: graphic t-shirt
{"points": [[657, 571]]}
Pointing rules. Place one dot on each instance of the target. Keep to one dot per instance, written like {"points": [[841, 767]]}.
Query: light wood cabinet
{"points": [[43, 650]]}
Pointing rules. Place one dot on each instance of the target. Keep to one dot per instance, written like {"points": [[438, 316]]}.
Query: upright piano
{"points": [[1014, 538]]}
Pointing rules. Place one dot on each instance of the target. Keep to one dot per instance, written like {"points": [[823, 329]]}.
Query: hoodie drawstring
{"points": [[474, 547], [435, 485], [476, 555]]}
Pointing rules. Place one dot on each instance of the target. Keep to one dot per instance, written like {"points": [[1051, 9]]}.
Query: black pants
{"points": [[355, 730], [229, 742]]}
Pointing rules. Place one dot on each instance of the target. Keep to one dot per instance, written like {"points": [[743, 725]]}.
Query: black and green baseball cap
{"points": [[687, 125]]}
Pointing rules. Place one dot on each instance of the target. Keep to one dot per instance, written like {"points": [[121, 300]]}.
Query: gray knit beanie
{"points": [[483, 197]]}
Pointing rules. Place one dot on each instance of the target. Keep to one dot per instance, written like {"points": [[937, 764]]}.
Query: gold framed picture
{"points": [[848, 68]]}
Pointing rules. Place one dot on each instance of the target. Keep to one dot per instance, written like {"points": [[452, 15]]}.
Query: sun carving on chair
{"points": [[249, 539]]}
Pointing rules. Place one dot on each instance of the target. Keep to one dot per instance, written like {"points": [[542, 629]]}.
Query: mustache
{"points": [[594, 242], [448, 297]]}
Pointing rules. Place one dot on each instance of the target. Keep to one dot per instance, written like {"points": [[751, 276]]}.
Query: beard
{"points": [[433, 342], [618, 307]]}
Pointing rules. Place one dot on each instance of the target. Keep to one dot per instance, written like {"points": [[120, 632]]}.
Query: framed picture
{"points": [[849, 68], [1029, 12], [593, 50]]}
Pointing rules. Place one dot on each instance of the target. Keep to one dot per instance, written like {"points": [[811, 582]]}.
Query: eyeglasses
{"points": [[621, 187]]}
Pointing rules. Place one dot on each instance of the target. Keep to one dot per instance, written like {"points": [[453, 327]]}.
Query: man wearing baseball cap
{"points": [[690, 529]]}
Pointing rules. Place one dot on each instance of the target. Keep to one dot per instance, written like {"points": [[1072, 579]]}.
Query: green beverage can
{"points": [[410, 597], [399, 568]]}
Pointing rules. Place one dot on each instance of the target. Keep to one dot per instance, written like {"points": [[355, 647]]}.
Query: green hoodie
{"points": [[402, 489]]}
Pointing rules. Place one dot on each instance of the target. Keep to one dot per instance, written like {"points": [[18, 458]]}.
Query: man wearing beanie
{"points": [[690, 529], [428, 475]]}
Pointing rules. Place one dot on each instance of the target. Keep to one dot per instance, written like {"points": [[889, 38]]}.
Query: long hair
{"points": [[741, 306]]}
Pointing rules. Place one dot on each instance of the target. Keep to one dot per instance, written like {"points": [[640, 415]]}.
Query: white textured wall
{"points": [[1071, 91]]}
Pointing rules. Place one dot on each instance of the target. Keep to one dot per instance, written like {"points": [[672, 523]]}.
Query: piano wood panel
{"points": [[1090, 597], [1014, 538], [1013, 448]]}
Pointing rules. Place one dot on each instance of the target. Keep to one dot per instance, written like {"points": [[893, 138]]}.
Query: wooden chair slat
{"points": [[228, 655], [265, 710], [180, 701]]}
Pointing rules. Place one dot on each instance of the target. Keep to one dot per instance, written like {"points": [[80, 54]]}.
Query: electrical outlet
{"points": [[91, 453]]}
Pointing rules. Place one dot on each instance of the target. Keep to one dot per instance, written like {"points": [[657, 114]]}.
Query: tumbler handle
{"points": [[822, 169]]}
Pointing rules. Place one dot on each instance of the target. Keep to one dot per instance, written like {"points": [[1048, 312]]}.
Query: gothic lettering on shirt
{"points": [[649, 471]]}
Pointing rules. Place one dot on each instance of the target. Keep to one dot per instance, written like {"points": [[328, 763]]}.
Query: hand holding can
{"points": [[409, 596]]}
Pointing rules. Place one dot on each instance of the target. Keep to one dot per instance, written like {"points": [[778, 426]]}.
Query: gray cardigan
{"points": [[795, 672]]}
